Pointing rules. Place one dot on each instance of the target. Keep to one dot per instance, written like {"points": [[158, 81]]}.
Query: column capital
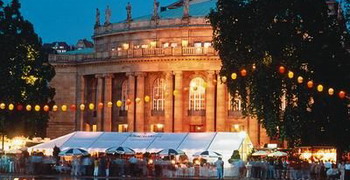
{"points": [[140, 74], [108, 75], [177, 72], [130, 74]]}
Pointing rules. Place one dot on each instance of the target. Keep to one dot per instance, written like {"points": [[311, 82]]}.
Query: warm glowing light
{"points": [[11, 107], [91, 106], [37, 108], [153, 44], [282, 69], [234, 76], [138, 100], [82, 107], [159, 126], [109, 104], [342, 94], [2, 106], [290, 74], [243, 72], [100, 105], [119, 103], [73, 107], [147, 99], [184, 43], [175, 92], [125, 46], [64, 108], [331, 91], [54, 108], [128, 102], [223, 79], [46, 108], [300, 79], [310, 84], [320, 88], [19, 107]]}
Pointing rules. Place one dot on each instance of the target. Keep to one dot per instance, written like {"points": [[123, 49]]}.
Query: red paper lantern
{"points": [[243, 72], [310, 84], [282, 69], [100, 105], [19, 107], [73, 107], [128, 102], [342, 94]]}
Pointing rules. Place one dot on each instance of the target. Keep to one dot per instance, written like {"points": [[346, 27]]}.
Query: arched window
{"points": [[197, 94], [235, 102], [158, 94], [125, 87]]}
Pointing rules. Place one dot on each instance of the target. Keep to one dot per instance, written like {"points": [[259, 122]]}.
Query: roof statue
{"points": [[97, 23], [155, 10], [108, 14], [186, 4], [128, 12]]}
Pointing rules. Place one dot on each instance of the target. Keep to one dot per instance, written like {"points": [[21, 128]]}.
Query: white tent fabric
{"points": [[221, 142]]}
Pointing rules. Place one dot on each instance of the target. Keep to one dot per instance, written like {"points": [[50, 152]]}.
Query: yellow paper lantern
{"points": [[119, 103], [147, 99], [28, 107], [109, 104], [290, 74], [82, 107], [2, 106], [137, 100], [331, 91], [91, 106], [11, 107], [300, 79], [320, 88], [64, 108], [37, 108], [234, 76], [223, 79], [54, 108]]}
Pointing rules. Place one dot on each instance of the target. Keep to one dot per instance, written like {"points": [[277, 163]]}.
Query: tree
{"points": [[24, 74], [260, 36]]}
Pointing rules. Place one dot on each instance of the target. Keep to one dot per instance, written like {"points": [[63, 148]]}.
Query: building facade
{"points": [[161, 69]]}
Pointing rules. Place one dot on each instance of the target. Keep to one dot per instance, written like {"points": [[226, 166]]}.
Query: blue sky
{"points": [[70, 20]]}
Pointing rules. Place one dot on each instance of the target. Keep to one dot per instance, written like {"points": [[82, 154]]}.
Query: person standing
{"points": [[220, 168], [347, 170], [96, 163], [341, 168]]}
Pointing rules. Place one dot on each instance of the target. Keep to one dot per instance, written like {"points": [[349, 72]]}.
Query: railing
{"points": [[134, 53], [235, 114]]}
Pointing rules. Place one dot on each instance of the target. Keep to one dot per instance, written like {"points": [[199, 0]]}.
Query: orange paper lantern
{"points": [[100, 105], [310, 84], [282, 69], [243, 72], [46, 108]]}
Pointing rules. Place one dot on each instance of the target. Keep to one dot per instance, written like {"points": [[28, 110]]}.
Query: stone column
{"points": [[168, 106], [178, 111], [210, 103], [81, 98], [99, 98], [107, 112], [131, 106], [221, 109], [140, 106]]}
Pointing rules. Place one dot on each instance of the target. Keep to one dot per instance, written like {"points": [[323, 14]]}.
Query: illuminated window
{"points": [[173, 45], [207, 44], [196, 128], [158, 94], [165, 45], [157, 128], [122, 128], [235, 102], [237, 128], [197, 94], [124, 97]]}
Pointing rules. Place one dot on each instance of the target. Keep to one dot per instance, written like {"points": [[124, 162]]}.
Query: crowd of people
{"points": [[170, 166]]}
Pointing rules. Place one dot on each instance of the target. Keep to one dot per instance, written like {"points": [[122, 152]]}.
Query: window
{"points": [[158, 94], [122, 128], [197, 94], [237, 128], [157, 128], [235, 102], [196, 128], [124, 97]]}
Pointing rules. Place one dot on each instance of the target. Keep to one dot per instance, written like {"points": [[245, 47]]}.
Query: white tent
{"points": [[221, 142]]}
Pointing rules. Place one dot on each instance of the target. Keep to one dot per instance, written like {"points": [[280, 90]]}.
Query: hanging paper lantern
{"points": [[147, 99], [300, 79], [175, 92], [243, 72], [137, 100], [2, 106], [234, 76], [54, 108], [128, 102], [223, 79], [119, 103], [37, 108], [320, 88], [290, 74], [19, 107], [91, 106], [342, 94], [109, 104], [73, 107], [46, 108], [331, 91], [282, 69], [215, 81], [82, 107], [64, 108], [100, 105], [11, 107], [28, 107], [185, 89], [310, 84]]}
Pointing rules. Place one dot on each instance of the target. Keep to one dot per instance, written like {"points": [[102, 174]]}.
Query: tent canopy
{"points": [[222, 142]]}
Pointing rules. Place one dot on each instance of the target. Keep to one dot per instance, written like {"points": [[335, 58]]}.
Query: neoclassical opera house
{"points": [[163, 69]]}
